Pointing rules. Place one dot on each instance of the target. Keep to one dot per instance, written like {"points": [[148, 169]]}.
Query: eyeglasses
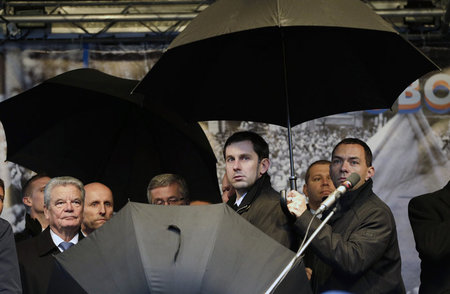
{"points": [[170, 201]]}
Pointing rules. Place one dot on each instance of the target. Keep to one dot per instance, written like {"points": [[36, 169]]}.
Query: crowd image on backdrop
{"points": [[308, 146]]}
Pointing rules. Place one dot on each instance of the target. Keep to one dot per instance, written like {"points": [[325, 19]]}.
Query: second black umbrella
{"points": [[85, 124]]}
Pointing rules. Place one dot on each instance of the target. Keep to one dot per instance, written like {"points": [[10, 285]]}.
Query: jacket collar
{"points": [[447, 187], [445, 195], [350, 198], [32, 224], [45, 243], [261, 184]]}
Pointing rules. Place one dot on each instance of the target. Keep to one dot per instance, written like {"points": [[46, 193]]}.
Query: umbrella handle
{"points": [[176, 229], [283, 203]]}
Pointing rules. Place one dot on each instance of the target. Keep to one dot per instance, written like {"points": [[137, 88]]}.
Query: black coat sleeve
{"points": [[430, 223], [10, 276]]}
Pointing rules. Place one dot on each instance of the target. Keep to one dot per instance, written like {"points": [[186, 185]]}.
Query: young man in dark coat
{"points": [[33, 199], [247, 162], [357, 250], [429, 215]]}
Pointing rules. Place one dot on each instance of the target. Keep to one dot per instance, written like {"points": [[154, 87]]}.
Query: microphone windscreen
{"points": [[353, 179]]}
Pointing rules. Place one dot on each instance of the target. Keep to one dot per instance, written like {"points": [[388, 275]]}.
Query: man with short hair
{"points": [[247, 161], [318, 184], [317, 187], [357, 250], [168, 189], [33, 199], [63, 209], [98, 207], [227, 189]]}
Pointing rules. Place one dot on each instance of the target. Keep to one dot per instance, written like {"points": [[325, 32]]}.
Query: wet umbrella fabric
{"points": [[179, 249], [283, 62], [85, 124], [239, 60]]}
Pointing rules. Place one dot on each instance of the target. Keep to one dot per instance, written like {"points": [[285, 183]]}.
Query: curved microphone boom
{"points": [[351, 180]]}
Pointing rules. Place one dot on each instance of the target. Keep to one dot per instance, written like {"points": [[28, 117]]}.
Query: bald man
{"points": [[98, 207], [227, 189]]}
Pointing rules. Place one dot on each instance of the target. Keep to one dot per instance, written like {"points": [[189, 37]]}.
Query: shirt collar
{"points": [[319, 216], [238, 202], [58, 240]]}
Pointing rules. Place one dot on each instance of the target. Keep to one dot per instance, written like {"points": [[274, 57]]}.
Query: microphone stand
{"points": [[295, 260]]}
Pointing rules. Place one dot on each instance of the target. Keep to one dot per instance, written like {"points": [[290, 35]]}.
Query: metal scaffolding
{"points": [[417, 20]]}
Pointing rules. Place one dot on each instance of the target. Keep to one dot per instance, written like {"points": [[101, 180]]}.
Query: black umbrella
{"points": [[85, 124], [283, 62], [180, 249]]}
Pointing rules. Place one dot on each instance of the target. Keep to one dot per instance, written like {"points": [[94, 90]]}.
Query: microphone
{"points": [[336, 194]]}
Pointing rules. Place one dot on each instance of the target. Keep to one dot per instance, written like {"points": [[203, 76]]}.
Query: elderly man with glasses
{"points": [[168, 189]]}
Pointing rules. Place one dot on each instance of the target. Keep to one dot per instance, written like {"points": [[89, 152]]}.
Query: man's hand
{"points": [[296, 203], [308, 273]]}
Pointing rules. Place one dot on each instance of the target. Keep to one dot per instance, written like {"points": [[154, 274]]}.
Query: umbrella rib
{"points": [[139, 246], [216, 229]]}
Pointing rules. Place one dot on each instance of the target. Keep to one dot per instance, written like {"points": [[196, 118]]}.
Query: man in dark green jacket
{"points": [[357, 250], [247, 162]]}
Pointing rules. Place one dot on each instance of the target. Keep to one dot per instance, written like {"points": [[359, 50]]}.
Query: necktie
{"points": [[65, 245]]}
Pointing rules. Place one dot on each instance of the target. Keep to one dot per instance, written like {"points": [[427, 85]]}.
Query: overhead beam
{"points": [[103, 3], [69, 18], [410, 12]]}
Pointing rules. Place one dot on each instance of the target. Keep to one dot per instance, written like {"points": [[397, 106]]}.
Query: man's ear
{"points": [[27, 201], [305, 190], [46, 213], [370, 172], [264, 165]]}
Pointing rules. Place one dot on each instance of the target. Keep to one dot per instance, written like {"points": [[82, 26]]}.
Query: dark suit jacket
{"points": [[32, 229], [10, 276], [261, 207], [429, 215], [36, 262]]}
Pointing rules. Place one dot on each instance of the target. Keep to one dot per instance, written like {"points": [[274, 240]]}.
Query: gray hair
{"points": [[164, 180], [61, 181]]}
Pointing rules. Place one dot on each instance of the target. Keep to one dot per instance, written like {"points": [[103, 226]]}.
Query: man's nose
{"points": [[236, 165], [69, 206], [102, 209], [345, 166]]}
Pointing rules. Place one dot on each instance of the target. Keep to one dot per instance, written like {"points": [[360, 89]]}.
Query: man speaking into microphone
{"points": [[357, 250]]}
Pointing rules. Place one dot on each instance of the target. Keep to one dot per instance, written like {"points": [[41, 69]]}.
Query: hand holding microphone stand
{"points": [[326, 204]]}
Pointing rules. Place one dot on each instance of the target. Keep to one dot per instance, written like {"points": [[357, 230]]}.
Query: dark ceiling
{"points": [[423, 22]]}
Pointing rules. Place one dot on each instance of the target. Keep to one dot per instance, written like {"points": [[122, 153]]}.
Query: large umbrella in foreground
{"points": [[180, 249], [283, 62], [85, 124]]}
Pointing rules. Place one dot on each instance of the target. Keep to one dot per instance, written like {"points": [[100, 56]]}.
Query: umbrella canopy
{"points": [[85, 124], [283, 62], [180, 249], [239, 60]]}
